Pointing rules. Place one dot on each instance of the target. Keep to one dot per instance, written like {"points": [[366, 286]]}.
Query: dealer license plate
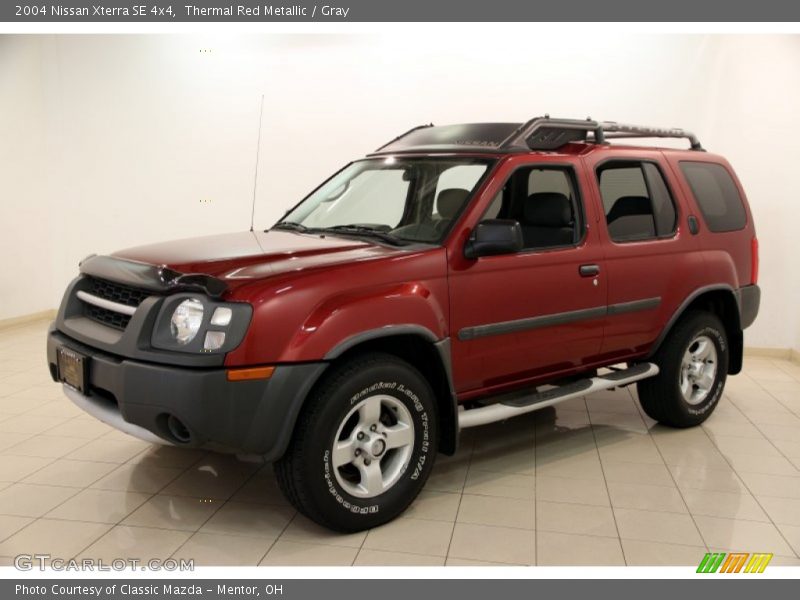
{"points": [[73, 368]]}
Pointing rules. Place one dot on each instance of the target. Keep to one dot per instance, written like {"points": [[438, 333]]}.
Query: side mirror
{"points": [[494, 236]]}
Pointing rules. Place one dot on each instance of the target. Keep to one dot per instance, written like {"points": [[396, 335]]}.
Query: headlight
{"points": [[186, 321], [197, 324]]}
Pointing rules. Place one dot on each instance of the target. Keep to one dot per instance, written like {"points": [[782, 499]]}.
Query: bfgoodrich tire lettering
{"points": [[363, 446], [693, 362]]}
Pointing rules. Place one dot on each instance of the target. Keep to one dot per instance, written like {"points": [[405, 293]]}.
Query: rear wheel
{"points": [[693, 363], [363, 446]]}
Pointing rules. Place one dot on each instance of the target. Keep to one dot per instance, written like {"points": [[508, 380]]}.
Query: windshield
{"points": [[401, 199]]}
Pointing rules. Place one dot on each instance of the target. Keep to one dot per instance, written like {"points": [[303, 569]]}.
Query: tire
{"points": [[684, 394], [336, 426]]}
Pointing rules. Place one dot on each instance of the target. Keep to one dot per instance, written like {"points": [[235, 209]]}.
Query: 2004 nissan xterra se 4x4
{"points": [[457, 276]]}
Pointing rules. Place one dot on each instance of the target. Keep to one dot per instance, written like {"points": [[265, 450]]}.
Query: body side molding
{"points": [[636, 305], [479, 331]]}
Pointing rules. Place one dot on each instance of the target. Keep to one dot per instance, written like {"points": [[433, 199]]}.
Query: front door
{"points": [[540, 311]]}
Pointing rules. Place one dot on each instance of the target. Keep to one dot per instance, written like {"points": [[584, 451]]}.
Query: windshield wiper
{"points": [[363, 230], [384, 236], [291, 226]]}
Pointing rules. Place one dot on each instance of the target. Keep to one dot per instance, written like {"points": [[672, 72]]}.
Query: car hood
{"points": [[253, 255]]}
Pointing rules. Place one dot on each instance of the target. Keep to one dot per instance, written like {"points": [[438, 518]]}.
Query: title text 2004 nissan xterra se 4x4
{"points": [[457, 276]]}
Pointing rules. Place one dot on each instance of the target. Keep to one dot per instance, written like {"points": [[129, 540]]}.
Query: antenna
{"points": [[255, 177]]}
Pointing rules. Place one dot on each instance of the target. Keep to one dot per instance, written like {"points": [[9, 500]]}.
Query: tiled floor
{"points": [[591, 482]]}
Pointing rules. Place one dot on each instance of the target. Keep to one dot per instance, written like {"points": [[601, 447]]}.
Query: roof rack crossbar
{"points": [[544, 133], [622, 130]]}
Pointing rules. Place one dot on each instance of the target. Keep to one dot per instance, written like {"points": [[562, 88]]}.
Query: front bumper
{"points": [[249, 417]]}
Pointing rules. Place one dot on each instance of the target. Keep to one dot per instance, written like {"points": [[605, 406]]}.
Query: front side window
{"points": [[545, 202], [636, 201], [401, 199]]}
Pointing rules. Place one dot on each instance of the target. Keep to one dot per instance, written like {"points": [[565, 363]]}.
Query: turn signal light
{"points": [[250, 374]]}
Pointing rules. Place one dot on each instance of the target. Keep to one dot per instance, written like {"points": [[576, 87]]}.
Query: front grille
{"points": [[107, 317], [114, 292], [117, 292]]}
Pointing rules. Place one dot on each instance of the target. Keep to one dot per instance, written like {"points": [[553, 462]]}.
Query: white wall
{"points": [[758, 79], [25, 248], [112, 141]]}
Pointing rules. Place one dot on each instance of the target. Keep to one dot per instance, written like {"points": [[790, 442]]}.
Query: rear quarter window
{"points": [[716, 194]]}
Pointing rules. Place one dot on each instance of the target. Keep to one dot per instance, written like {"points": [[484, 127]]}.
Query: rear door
{"points": [[651, 259], [518, 316]]}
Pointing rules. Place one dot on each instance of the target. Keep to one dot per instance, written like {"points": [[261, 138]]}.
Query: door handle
{"points": [[589, 270]]}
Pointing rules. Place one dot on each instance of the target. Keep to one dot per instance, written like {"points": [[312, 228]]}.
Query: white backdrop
{"points": [[113, 141]]}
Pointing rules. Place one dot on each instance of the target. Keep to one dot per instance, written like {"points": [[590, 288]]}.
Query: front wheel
{"points": [[363, 446], [693, 363]]}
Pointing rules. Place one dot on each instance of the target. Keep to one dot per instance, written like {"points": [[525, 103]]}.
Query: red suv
{"points": [[457, 276]]}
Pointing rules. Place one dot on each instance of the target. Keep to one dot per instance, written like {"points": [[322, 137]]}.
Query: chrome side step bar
{"points": [[519, 406]]}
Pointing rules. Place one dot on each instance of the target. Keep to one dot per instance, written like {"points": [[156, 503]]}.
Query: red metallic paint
{"points": [[669, 268], [528, 284], [313, 292], [727, 256], [302, 315], [310, 292]]}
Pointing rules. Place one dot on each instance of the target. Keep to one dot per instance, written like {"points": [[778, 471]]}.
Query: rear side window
{"points": [[716, 194], [636, 201]]}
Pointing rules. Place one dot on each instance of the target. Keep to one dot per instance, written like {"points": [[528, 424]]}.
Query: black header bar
{"points": [[216, 11]]}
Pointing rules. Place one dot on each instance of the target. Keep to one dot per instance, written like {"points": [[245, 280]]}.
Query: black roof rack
{"points": [[544, 133], [475, 137], [540, 133], [402, 135]]}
